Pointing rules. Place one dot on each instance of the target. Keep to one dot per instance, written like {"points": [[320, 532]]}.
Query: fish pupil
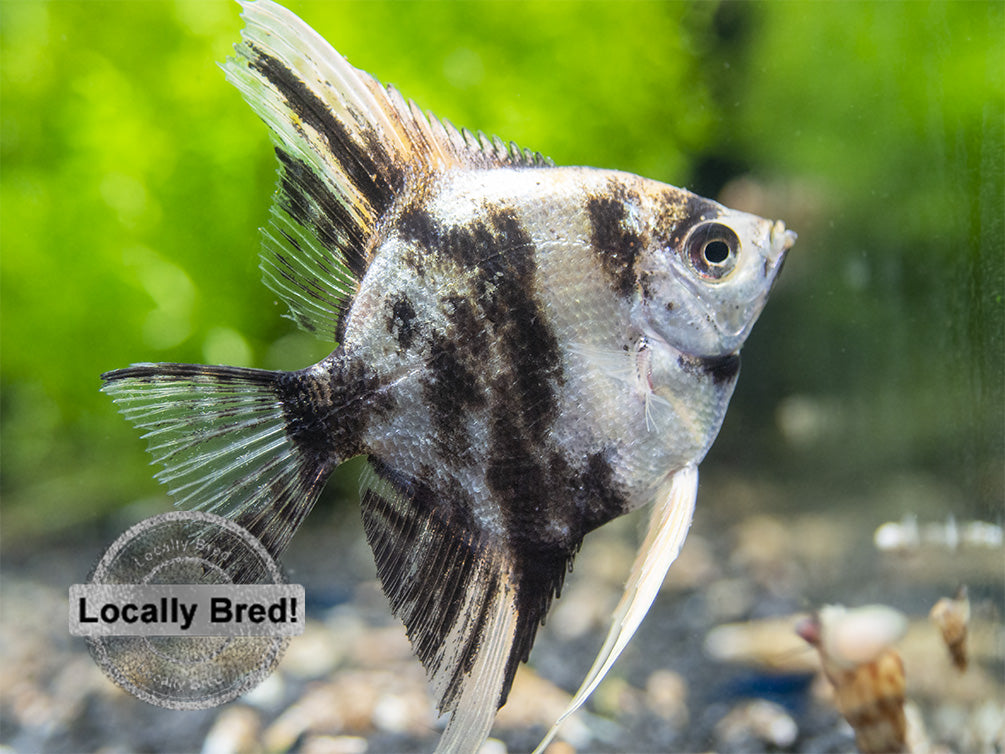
{"points": [[716, 252], [711, 249]]}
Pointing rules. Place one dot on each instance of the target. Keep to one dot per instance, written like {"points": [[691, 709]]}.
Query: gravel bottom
{"points": [[716, 665]]}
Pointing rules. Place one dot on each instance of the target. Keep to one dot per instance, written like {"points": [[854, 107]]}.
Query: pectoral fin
{"points": [[668, 526], [631, 367]]}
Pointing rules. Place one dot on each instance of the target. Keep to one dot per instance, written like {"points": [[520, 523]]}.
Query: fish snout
{"points": [[781, 239]]}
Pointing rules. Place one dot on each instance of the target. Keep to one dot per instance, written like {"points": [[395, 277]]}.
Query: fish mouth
{"points": [[716, 324], [781, 241]]}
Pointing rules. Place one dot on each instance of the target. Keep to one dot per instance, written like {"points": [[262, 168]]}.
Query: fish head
{"points": [[707, 272]]}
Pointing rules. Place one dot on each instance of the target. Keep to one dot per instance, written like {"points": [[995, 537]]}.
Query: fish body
{"points": [[525, 352], [479, 320]]}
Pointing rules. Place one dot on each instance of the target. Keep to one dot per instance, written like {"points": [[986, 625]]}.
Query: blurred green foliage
{"points": [[133, 178]]}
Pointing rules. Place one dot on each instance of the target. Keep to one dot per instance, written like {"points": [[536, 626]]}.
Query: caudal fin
{"points": [[222, 438]]}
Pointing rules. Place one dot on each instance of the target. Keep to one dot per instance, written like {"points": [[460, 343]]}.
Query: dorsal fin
{"points": [[347, 147]]}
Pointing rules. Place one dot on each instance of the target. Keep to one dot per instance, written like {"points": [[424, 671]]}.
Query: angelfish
{"points": [[524, 352]]}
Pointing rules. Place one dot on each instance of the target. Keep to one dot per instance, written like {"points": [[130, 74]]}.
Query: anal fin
{"points": [[485, 680], [457, 591]]}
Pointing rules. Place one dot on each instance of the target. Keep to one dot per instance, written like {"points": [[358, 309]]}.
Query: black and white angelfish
{"points": [[524, 353]]}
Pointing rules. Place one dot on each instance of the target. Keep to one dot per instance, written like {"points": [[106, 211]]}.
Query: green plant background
{"points": [[133, 179]]}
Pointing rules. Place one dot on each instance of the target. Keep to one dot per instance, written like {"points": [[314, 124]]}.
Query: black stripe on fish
{"points": [[687, 210], [452, 389], [465, 325], [594, 490], [402, 321], [518, 478], [616, 245], [328, 410], [311, 203], [548, 505], [502, 309], [720, 369], [506, 286], [420, 229], [415, 224], [367, 164]]}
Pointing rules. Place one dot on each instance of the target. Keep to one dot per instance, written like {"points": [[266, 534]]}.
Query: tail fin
{"points": [[347, 148], [221, 436]]}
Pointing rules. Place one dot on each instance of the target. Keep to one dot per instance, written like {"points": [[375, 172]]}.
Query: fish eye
{"points": [[712, 250]]}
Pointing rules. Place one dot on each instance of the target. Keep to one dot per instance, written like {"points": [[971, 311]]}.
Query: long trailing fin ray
{"points": [[668, 526], [219, 436], [347, 148]]}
